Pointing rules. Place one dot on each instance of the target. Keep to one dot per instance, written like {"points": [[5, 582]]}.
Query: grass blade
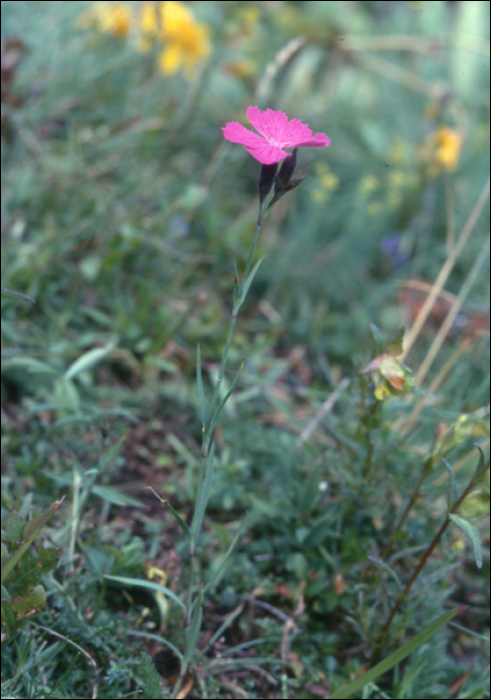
{"points": [[229, 393], [88, 360], [247, 283], [347, 691], [140, 583], [199, 379], [180, 521], [194, 630], [203, 494], [217, 575]]}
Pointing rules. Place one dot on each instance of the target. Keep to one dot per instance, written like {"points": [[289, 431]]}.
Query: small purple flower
{"points": [[392, 247]]}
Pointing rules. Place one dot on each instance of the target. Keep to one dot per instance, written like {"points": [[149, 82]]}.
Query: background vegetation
{"points": [[122, 211]]}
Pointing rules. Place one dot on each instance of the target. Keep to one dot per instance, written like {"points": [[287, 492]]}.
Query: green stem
{"points": [[368, 470], [238, 301], [192, 568], [208, 432], [421, 564], [207, 437], [426, 471]]}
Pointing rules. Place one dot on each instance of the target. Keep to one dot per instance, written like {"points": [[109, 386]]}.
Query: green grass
{"points": [[123, 209]]}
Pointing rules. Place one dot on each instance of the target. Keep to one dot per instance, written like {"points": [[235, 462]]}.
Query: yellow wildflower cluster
{"points": [[327, 182], [185, 41], [442, 150], [108, 18], [171, 26]]}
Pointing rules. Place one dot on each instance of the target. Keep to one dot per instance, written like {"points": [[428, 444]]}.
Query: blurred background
{"points": [[123, 209]]}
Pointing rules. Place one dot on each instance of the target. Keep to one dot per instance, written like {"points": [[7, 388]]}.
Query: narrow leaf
{"points": [[18, 294], [247, 283], [236, 281], [156, 638], [225, 625], [473, 534], [116, 497], [452, 491], [347, 691], [218, 573], [199, 380], [378, 338], [203, 494], [141, 583], [29, 364], [221, 664], [182, 523], [194, 630], [481, 468], [395, 348], [389, 569], [88, 360], [111, 453], [32, 530], [229, 393]]}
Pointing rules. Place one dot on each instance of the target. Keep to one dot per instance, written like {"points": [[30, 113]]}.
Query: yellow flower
{"points": [[442, 150], [389, 374], [251, 15], [149, 21], [242, 68], [248, 18], [330, 181], [111, 18], [397, 179], [186, 41], [458, 545], [449, 143], [381, 393], [369, 184]]}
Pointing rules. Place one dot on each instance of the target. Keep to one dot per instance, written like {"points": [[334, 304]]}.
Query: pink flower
{"points": [[277, 132]]}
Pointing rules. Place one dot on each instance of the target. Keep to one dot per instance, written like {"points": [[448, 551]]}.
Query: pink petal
{"points": [[265, 153], [257, 146], [319, 140], [277, 132], [271, 124], [275, 126], [237, 133]]}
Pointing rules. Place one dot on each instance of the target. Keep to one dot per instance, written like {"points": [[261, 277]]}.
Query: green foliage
{"points": [[395, 658], [151, 679], [129, 222], [25, 562]]}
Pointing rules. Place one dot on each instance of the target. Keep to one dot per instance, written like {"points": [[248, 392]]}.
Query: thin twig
{"points": [[435, 385], [401, 76], [421, 564], [414, 44], [282, 57], [452, 314], [85, 653], [445, 271], [326, 408], [24, 297]]}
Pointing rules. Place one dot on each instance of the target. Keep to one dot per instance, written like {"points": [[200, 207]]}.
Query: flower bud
{"points": [[390, 376], [266, 180], [287, 169]]}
